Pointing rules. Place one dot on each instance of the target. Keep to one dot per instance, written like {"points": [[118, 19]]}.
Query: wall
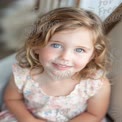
{"points": [[103, 8], [116, 81]]}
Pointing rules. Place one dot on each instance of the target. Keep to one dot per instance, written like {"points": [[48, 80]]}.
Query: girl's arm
{"points": [[15, 103], [97, 105]]}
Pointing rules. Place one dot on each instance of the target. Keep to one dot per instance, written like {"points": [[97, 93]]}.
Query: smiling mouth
{"points": [[61, 66]]}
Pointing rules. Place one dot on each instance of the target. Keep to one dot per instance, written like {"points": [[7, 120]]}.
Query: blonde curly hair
{"points": [[61, 19]]}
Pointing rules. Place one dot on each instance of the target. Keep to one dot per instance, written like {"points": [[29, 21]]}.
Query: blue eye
{"points": [[56, 45], [79, 50]]}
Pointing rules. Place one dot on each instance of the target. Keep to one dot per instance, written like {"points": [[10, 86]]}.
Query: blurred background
{"points": [[17, 16]]}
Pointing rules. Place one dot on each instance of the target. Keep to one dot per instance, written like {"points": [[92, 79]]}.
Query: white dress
{"points": [[54, 109]]}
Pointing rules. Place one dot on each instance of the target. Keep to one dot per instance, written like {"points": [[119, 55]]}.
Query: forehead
{"points": [[76, 36]]}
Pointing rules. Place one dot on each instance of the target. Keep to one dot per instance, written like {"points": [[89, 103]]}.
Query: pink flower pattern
{"points": [[54, 109]]}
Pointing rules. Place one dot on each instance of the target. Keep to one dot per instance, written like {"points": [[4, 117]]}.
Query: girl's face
{"points": [[67, 53]]}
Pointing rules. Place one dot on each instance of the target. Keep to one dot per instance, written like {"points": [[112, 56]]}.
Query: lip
{"points": [[61, 67]]}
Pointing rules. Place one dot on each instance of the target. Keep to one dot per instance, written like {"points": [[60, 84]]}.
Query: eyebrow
{"points": [[84, 47], [54, 41]]}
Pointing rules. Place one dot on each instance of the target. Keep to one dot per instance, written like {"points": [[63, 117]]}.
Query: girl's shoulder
{"points": [[95, 83], [20, 70], [97, 75], [20, 75]]}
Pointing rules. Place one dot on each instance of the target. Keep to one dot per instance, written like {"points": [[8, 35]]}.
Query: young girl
{"points": [[61, 71]]}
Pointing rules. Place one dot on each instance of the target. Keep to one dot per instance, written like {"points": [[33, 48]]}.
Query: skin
{"points": [[63, 55], [67, 53]]}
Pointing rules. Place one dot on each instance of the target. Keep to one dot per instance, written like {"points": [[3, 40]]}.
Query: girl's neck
{"points": [[55, 80], [43, 78]]}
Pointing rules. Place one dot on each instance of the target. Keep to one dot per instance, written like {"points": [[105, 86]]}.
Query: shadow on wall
{"points": [[115, 107], [19, 17], [14, 25]]}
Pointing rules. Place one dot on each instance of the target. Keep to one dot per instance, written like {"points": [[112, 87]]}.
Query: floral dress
{"points": [[51, 108]]}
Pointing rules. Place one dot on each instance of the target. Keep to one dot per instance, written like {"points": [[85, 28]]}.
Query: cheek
{"points": [[46, 56], [80, 63]]}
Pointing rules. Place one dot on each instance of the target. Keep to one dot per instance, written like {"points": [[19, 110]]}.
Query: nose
{"points": [[66, 55]]}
